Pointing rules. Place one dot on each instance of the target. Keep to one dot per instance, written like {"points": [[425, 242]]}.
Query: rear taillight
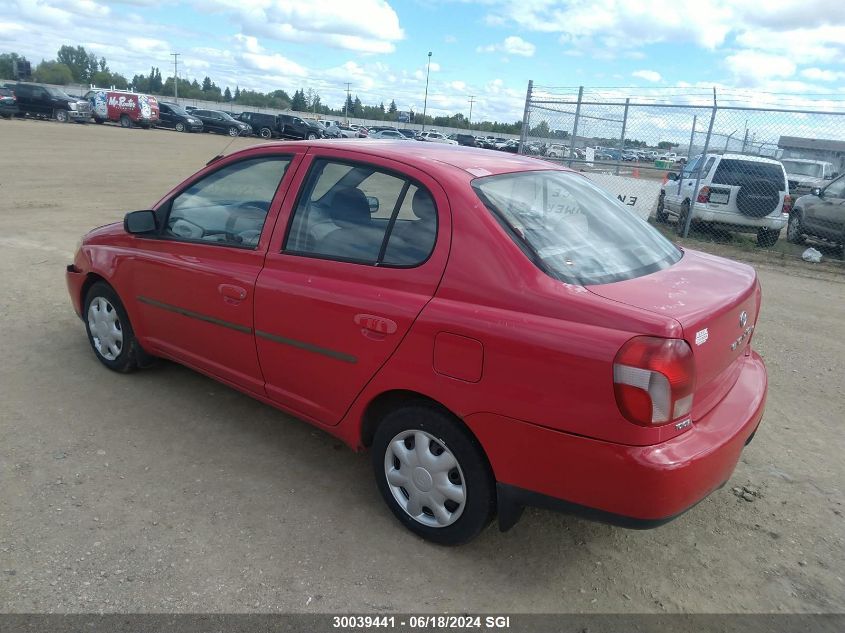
{"points": [[654, 380], [703, 195], [787, 204]]}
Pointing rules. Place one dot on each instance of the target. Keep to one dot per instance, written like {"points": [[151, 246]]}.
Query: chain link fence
{"points": [[729, 166]]}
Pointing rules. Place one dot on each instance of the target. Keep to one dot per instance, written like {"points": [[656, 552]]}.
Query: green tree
{"points": [[206, 84], [357, 108], [227, 94], [237, 93], [53, 72], [299, 103], [665, 145], [7, 61], [349, 106], [82, 65], [392, 108]]}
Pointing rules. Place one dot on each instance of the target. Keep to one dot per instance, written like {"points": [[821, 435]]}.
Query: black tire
{"points": [[99, 121], [265, 132], [233, 131], [125, 121], [131, 355], [682, 219], [758, 198], [794, 230], [766, 238], [311, 136], [479, 504], [61, 116], [661, 215], [179, 127]]}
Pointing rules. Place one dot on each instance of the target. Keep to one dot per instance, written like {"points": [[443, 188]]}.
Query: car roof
{"points": [[807, 160], [755, 159], [474, 161]]}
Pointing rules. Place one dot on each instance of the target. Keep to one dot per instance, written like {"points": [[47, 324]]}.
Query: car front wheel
{"points": [[433, 475], [265, 133], [311, 136], [233, 131], [61, 116], [109, 331], [179, 127]]}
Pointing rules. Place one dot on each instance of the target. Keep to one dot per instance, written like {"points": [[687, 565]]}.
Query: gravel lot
{"points": [[165, 491]]}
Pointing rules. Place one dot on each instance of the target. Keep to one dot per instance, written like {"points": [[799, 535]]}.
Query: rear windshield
{"points": [[734, 172], [572, 230], [813, 170]]}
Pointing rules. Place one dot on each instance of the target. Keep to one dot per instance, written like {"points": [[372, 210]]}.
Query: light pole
{"points": [[176, 76], [471, 101], [425, 99]]}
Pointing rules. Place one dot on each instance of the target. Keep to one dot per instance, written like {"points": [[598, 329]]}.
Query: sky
{"points": [[486, 50]]}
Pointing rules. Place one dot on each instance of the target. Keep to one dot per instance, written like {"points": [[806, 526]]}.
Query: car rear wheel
{"points": [[125, 121], [682, 219], [61, 116], [265, 132], [794, 232], [433, 474], [109, 331], [233, 131], [311, 136], [766, 238], [661, 215], [179, 127]]}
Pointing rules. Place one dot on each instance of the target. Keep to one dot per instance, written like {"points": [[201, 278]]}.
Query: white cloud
{"points": [[817, 74], [512, 45], [648, 75], [752, 68], [368, 26]]}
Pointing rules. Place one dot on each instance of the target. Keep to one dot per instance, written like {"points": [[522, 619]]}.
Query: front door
{"points": [[364, 251], [194, 283], [825, 215]]}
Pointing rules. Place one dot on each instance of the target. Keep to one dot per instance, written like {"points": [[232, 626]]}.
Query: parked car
{"points": [[389, 134], [805, 175], [409, 134], [742, 193], [174, 117], [557, 151], [436, 137], [263, 125], [221, 123], [511, 146], [293, 127], [630, 156], [8, 103], [124, 107], [467, 140], [49, 102], [331, 129], [348, 131], [820, 214], [355, 292]]}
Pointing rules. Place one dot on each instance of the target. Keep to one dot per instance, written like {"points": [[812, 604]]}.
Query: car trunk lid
{"points": [[708, 297]]}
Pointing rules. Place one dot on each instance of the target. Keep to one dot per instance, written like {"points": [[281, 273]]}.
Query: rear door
{"points": [[346, 276]]}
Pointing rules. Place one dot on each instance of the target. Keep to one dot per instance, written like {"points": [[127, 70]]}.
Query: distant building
{"points": [[814, 149]]}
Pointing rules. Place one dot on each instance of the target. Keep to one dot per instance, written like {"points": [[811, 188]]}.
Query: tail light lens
{"points": [[654, 380], [703, 195], [787, 204]]}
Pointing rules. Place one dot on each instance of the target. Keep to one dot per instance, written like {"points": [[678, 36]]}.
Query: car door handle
{"points": [[229, 291], [375, 327]]}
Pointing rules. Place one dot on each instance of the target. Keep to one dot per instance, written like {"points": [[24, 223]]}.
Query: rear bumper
{"points": [[716, 213], [632, 486]]}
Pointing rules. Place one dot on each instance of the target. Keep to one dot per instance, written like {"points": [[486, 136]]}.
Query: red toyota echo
{"points": [[496, 330]]}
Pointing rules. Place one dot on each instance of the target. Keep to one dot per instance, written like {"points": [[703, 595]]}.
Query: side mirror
{"points": [[140, 222], [672, 176], [816, 192], [373, 202], [833, 175]]}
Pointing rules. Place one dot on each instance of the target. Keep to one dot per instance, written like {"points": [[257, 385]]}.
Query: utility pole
{"points": [[471, 101], [176, 76], [346, 106], [425, 99]]}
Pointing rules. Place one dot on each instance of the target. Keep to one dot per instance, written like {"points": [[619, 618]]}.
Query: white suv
{"points": [[436, 137], [743, 193]]}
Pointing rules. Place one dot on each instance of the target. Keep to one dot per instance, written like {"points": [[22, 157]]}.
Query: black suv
{"points": [[264, 125], [174, 116], [50, 102], [467, 140], [221, 122], [291, 126]]}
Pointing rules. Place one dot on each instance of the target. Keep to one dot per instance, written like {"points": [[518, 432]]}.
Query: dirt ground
{"points": [[164, 491]]}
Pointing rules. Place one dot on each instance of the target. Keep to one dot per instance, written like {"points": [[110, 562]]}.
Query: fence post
{"points": [[692, 137], [526, 116], [575, 125], [698, 171], [624, 126]]}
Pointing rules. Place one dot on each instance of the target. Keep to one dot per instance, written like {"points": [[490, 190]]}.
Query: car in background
{"points": [[804, 175], [511, 146], [331, 129], [466, 140], [408, 134], [820, 214], [496, 331], [124, 107], [221, 123], [175, 117], [389, 134], [739, 192], [629, 156], [50, 102], [348, 131], [264, 125], [8, 103], [436, 137], [294, 127], [556, 150]]}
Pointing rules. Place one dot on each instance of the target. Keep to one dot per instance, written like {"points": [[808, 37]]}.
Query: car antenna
{"points": [[222, 153]]}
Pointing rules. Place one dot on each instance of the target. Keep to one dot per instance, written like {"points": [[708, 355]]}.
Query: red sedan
{"points": [[497, 330]]}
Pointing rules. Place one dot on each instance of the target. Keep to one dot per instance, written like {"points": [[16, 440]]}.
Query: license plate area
{"points": [[719, 196]]}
